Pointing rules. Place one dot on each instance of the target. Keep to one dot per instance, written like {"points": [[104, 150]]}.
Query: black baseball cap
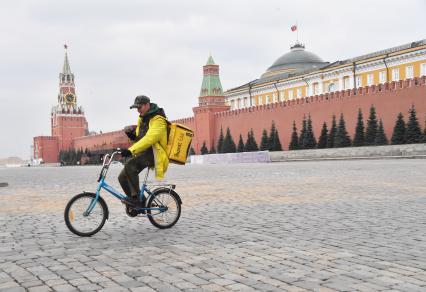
{"points": [[140, 100]]}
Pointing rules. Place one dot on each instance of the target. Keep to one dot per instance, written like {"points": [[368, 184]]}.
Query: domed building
{"points": [[296, 61], [300, 73]]}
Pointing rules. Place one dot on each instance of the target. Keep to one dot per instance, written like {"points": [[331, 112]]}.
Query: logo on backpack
{"points": [[178, 142]]}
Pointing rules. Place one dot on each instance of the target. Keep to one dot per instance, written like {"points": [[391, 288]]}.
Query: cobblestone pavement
{"points": [[322, 226]]}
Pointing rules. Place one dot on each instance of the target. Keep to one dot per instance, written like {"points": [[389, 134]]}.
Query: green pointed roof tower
{"points": [[211, 88], [210, 102]]}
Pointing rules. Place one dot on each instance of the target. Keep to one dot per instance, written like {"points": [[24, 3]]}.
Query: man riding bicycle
{"points": [[148, 149]]}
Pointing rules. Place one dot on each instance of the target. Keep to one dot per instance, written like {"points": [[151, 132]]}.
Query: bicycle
{"points": [[86, 213]]}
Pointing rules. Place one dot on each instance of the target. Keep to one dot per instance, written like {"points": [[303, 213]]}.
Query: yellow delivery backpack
{"points": [[179, 140]]}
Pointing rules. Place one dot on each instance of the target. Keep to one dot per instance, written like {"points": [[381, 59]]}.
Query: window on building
{"points": [[346, 82], [331, 87], [409, 72], [290, 94], [253, 102], [239, 103], [245, 102], [274, 97], [232, 104], [299, 92], [315, 88], [260, 100], [395, 74], [422, 69], [282, 96], [358, 81], [370, 79], [382, 76], [268, 99]]}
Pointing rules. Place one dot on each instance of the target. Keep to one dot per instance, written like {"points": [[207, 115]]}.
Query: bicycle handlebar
{"points": [[108, 158]]}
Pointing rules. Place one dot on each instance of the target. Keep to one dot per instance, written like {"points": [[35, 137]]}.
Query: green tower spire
{"points": [[210, 60], [211, 85]]}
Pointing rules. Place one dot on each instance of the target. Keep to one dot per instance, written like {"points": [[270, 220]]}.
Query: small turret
{"points": [[211, 86]]}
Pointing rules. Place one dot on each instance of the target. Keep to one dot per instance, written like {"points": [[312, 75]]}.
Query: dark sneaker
{"points": [[131, 201], [134, 202]]}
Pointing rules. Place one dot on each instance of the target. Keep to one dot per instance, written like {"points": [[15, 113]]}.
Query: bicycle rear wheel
{"points": [[168, 204], [77, 219]]}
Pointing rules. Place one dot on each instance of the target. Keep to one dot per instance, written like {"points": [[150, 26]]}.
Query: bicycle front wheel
{"points": [[165, 207], [79, 221]]}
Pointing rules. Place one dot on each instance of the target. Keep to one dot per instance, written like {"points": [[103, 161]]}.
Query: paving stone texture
{"points": [[295, 226]]}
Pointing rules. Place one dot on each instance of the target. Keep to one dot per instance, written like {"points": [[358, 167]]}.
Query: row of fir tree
{"points": [[226, 143], [73, 157], [370, 135]]}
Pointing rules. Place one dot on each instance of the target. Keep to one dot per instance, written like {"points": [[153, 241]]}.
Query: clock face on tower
{"points": [[69, 98]]}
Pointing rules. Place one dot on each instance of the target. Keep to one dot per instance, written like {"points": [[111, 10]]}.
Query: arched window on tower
{"points": [[331, 87]]}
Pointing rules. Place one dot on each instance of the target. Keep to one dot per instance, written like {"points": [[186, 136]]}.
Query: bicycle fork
{"points": [[94, 200]]}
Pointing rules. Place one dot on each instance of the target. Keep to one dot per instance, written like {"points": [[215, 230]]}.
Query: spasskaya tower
{"points": [[67, 118]]}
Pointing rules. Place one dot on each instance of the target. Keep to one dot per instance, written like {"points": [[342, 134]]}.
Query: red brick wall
{"points": [[68, 127], [389, 99], [47, 148], [116, 139]]}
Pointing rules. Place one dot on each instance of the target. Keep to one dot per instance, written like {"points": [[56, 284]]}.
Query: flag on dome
{"points": [[294, 28]]}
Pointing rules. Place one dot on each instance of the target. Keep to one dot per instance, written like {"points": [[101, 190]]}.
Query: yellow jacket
{"points": [[156, 136]]}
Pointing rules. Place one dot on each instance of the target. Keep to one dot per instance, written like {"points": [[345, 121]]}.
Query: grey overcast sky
{"points": [[119, 49]]}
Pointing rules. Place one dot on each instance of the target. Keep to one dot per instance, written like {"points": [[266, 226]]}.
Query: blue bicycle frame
{"points": [[103, 185]]}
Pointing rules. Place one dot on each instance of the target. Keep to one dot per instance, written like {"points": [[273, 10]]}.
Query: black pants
{"points": [[129, 176]]}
